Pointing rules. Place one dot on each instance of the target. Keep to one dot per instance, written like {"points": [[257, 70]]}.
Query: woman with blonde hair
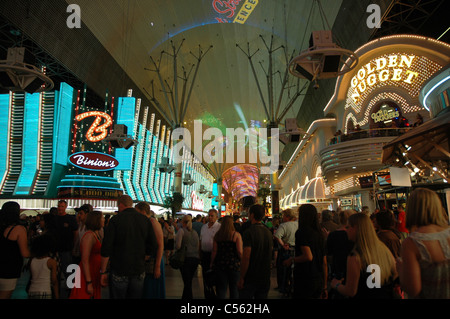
{"points": [[187, 237], [226, 258], [371, 270], [424, 266]]}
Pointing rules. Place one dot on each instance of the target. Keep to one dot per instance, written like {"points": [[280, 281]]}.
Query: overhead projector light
{"points": [[187, 180], [292, 133], [202, 189], [19, 74], [323, 59], [120, 139], [164, 166]]}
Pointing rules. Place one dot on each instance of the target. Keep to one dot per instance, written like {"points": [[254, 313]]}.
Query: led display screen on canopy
{"points": [[233, 11], [241, 181]]}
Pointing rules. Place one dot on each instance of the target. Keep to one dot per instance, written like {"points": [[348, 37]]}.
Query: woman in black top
{"points": [[310, 269], [13, 248], [226, 258]]}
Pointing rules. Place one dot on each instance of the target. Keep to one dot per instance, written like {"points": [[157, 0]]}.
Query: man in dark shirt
{"points": [[254, 281], [67, 231], [129, 240]]}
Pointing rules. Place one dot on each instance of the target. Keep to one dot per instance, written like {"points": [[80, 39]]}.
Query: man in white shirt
{"points": [[285, 236], [206, 245]]}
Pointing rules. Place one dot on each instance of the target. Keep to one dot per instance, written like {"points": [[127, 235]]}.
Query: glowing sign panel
{"points": [[96, 127], [93, 161], [393, 68], [197, 203]]}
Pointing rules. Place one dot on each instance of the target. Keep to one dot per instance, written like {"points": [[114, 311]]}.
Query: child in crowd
{"points": [[43, 268]]}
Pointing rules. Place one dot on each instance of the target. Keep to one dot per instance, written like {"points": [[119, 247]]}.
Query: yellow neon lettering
{"points": [[371, 79], [381, 63], [410, 74], [406, 60], [392, 61], [397, 75], [384, 75]]}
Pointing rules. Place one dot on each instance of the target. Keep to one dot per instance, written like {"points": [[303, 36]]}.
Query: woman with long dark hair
{"points": [[13, 248], [310, 269]]}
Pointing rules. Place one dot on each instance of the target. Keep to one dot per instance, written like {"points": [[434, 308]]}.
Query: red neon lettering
{"points": [[96, 127], [230, 6]]}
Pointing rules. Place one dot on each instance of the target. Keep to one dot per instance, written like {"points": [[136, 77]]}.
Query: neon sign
{"points": [[228, 9], [393, 68], [96, 127], [197, 203], [93, 161], [384, 115]]}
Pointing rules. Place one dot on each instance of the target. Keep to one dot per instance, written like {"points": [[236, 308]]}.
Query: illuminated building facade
{"points": [[373, 104], [54, 146]]}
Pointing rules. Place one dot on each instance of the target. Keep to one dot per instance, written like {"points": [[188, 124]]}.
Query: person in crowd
{"points": [[129, 240], [206, 243], [327, 224], [226, 258], [67, 229], [154, 283], [276, 221], [419, 120], [187, 237], [237, 222], [89, 267], [387, 233], [169, 239], [35, 227], [285, 237], [401, 222], [197, 224], [82, 212], [338, 248], [310, 264], [43, 269], [367, 253], [365, 210], [13, 248], [424, 266], [254, 280]]}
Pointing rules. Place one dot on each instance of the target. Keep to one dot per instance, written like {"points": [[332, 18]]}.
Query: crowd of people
{"points": [[316, 254]]}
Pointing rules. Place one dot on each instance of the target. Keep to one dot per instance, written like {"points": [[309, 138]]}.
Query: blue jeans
{"points": [[225, 279], [126, 287]]}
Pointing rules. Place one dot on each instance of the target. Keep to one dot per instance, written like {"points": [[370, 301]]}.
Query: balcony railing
{"points": [[371, 133]]}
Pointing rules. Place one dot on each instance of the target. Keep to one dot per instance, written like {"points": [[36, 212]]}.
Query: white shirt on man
{"points": [[207, 236]]}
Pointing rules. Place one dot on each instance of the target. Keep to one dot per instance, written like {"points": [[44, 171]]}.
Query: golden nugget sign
{"points": [[384, 115], [394, 67]]}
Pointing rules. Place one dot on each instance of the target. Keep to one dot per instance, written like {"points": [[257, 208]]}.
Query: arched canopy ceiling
{"points": [[241, 181], [225, 93]]}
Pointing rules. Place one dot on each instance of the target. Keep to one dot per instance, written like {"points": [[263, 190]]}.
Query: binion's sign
{"points": [[197, 203], [93, 161]]}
